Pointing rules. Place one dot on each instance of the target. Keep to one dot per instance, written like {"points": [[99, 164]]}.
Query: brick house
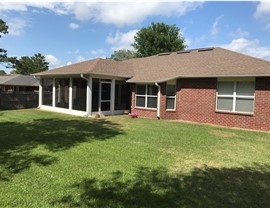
{"points": [[208, 85]]}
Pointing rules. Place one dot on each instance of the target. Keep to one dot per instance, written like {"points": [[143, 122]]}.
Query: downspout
{"points": [[39, 93], [36, 77], [158, 101]]}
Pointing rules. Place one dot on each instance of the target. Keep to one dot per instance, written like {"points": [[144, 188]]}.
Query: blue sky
{"points": [[70, 32]]}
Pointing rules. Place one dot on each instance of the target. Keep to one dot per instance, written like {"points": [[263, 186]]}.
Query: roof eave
{"points": [[79, 73], [198, 76]]}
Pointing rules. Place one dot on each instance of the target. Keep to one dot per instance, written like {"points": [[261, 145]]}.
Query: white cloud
{"points": [[62, 8], [119, 14], [69, 63], [263, 13], [263, 10], [53, 61], [98, 51], [239, 33], [73, 26], [121, 40], [83, 11], [215, 26], [16, 26], [128, 13], [5, 6], [80, 59], [249, 47]]}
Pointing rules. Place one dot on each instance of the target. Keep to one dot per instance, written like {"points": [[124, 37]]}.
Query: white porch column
{"points": [[70, 94], [53, 94], [40, 93], [99, 98], [112, 96], [89, 97]]}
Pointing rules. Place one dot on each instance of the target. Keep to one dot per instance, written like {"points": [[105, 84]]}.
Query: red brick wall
{"points": [[196, 101]]}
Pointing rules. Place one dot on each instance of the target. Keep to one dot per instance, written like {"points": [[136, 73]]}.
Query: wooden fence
{"points": [[18, 100]]}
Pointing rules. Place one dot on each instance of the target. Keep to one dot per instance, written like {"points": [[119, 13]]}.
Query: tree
{"points": [[158, 38], [2, 72], [123, 54], [3, 30], [30, 65]]}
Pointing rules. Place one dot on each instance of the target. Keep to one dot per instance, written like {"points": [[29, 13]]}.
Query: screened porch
{"points": [[85, 96]]}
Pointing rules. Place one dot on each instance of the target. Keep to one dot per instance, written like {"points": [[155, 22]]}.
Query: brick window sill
{"points": [[146, 109], [173, 111], [234, 113]]}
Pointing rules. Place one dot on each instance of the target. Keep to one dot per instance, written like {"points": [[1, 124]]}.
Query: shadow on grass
{"points": [[207, 187], [18, 140]]}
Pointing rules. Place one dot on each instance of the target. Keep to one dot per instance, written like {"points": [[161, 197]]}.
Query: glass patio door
{"points": [[105, 97]]}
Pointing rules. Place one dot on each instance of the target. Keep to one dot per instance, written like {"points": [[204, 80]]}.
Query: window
{"points": [[236, 96], [170, 96], [146, 96]]}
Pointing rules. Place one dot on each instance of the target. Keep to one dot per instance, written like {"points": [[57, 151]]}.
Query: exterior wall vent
{"points": [[164, 54], [205, 49], [181, 52]]}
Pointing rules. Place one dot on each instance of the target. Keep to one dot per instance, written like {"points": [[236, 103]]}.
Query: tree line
{"points": [[154, 39]]}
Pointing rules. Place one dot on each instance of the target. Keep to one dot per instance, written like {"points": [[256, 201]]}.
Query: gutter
{"points": [[158, 101], [200, 76], [84, 77]]}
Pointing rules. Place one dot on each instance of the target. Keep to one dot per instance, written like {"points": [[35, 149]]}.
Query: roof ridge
{"points": [[92, 67], [11, 76]]}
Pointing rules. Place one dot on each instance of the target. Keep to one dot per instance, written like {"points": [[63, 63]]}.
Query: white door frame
{"points": [[109, 112]]}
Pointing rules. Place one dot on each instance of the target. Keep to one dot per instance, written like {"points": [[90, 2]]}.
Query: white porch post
{"points": [[112, 95], [89, 97], [40, 94], [99, 98], [53, 94], [70, 94]]}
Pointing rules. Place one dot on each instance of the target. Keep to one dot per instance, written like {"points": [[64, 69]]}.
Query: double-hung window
{"points": [[236, 96], [170, 96], [146, 96]]}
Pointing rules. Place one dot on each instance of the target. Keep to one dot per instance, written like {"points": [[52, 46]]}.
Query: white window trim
{"points": [[234, 96], [146, 98], [174, 97]]}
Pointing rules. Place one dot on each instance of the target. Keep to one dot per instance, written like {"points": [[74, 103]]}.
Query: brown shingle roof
{"points": [[208, 62], [96, 66], [205, 62]]}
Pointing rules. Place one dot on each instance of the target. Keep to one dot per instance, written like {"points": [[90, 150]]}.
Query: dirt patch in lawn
{"points": [[222, 133]]}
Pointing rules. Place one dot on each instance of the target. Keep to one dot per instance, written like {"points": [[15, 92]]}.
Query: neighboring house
{"points": [[208, 85], [18, 83], [18, 91]]}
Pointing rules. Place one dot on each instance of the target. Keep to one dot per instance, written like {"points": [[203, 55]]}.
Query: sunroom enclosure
{"points": [[84, 96]]}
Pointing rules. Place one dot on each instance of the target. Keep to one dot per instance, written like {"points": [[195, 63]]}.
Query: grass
{"points": [[56, 160]]}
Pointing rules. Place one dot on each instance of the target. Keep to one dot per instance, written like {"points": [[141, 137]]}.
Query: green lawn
{"points": [[56, 160]]}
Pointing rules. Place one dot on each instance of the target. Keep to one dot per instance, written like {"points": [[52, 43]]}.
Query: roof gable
{"points": [[96, 66]]}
